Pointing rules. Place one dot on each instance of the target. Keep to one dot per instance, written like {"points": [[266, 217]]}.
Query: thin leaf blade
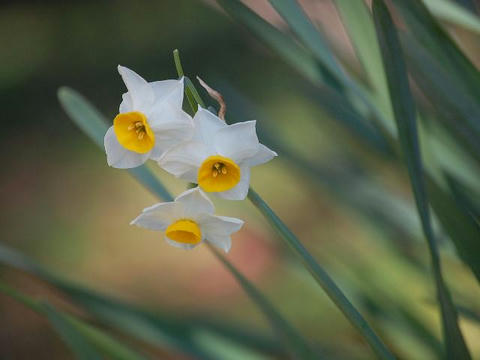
{"points": [[294, 15], [77, 343], [404, 111], [94, 125], [298, 347], [322, 278], [80, 336]]}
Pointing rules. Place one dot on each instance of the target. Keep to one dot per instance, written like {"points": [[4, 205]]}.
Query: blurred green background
{"points": [[63, 206]]}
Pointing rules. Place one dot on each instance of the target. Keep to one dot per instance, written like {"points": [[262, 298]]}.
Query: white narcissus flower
{"points": [[189, 220], [150, 121], [219, 156]]}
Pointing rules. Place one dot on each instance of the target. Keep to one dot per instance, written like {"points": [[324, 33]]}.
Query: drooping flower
{"points": [[219, 156], [150, 121], [189, 220]]}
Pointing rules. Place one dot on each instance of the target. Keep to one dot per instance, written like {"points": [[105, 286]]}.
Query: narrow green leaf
{"points": [[441, 46], [290, 337], [157, 329], [454, 13], [196, 97], [469, 314], [79, 335], [322, 278], [452, 103], [460, 227], [404, 111], [301, 60], [193, 97], [76, 342], [290, 51], [188, 92], [294, 15], [340, 109], [358, 22], [94, 125]]}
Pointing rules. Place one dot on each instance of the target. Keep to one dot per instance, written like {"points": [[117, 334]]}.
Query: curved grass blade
{"points": [[358, 22], [94, 124], [290, 337], [322, 278], [453, 13], [80, 336], [441, 46], [291, 52], [301, 60], [158, 329], [452, 103], [77, 343], [404, 111], [459, 225], [294, 15]]}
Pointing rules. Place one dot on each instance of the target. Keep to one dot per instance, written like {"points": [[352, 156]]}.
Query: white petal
{"points": [[127, 104], [159, 216], [171, 134], [263, 155], [166, 116], [183, 160], [240, 191], [217, 230], [180, 245], [238, 141], [206, 125], [140, 91], [119, 157], [195, 203], [170, 91]]}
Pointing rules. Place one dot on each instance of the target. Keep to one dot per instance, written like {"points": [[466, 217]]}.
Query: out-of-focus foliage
{"points": [[326, 101]]}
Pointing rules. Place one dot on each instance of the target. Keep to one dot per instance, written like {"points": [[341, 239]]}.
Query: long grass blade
{"points": [[459, 225], [292, 12], [404, 111], [297, 346], [358, 22], [159, 329], [322, 278], [291, 52], [76, 342], [453, 104], [441, 46], [301, 60], [83, 339], [453, 13]]}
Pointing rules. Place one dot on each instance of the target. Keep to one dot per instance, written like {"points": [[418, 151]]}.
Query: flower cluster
{"points": [[204, 150]]}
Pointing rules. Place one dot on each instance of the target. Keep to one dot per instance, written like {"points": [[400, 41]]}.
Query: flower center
{"points": [[218, 173], [184, 231], [133, 132]]}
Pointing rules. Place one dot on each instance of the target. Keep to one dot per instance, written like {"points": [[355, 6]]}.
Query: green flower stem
{"points": [[192, 95]]}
